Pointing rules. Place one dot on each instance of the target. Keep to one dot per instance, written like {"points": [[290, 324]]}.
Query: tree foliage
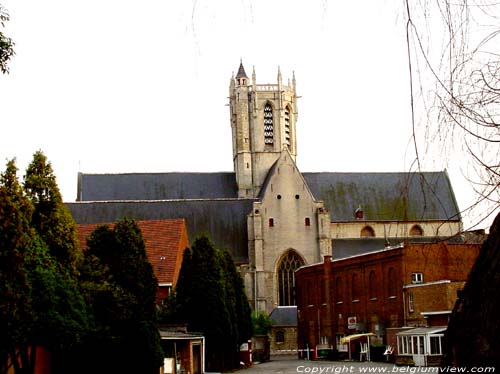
{"points": [[210, 298], [41, 303], [51, 218], [6, 43], [16, 235], [120, 287]]}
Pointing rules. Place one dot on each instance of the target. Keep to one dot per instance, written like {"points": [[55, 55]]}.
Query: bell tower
{"points": [[263, 118]]}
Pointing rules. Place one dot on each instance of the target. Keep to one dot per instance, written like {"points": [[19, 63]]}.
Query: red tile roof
{"points": [[165, 243]]}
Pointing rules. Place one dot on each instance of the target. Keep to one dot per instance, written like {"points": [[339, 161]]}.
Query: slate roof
{"points": [[382, 196], [163, 239], [156, 186], [241, 71], [386, 196], [284, 316], [223, 220]]}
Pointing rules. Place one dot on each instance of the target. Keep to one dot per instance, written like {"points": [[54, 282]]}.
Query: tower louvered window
{"points": [[286, 277], [287, 127], [268, 125]]}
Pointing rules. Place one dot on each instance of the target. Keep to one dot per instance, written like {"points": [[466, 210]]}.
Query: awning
{"points": [[350, 338]]}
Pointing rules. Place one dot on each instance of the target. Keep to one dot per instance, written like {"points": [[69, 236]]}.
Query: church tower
{"points": [[263, 118]]}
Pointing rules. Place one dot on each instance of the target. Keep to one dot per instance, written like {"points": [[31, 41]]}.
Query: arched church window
{"points": [[367, 231], [268, 125], [288, 131], [286, 277], [416, 230]]}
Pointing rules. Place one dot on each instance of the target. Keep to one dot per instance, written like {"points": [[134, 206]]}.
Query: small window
{"points": [[297, 197], [278, 197], [417, 278], [435, 344], [271, 222], [411, 306], [307, 221], [367, 232], [280, 336], [416, 230]]}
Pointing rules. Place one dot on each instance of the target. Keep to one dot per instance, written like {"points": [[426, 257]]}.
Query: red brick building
{"points": [[383, 292], [165, 240]]}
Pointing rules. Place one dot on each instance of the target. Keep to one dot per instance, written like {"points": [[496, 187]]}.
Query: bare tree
{"points": [[454, 66]]}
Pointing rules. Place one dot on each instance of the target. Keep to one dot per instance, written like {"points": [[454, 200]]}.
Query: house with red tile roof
{"points": [[165, 239]]}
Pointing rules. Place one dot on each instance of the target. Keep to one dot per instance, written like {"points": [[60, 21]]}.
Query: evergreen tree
{"points": [[238, 306], [209, 297], [121, 289], [16, 235], [51, 218], [41, 304]]}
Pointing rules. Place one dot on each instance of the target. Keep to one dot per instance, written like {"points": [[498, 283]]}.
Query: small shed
{"points": [[284, 330], [184, 351]]}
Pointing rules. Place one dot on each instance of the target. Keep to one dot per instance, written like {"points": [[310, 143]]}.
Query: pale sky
{"points": [[120, 86]]}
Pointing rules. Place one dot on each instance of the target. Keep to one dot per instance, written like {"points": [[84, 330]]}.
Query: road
{"points": [[291, 365]]}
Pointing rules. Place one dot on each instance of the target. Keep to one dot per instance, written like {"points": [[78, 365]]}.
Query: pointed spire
{"points": [[241, 71]]}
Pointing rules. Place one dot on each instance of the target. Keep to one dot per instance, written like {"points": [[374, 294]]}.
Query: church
{"points": [[271, 216]]}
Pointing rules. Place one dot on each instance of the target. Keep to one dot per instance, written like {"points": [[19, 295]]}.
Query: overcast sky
{"points": [[120, 86]]}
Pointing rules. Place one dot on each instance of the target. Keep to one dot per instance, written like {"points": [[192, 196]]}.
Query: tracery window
{"points": [[286, 277], [268, 125]]}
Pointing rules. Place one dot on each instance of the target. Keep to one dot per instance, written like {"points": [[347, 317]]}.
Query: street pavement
{"points": [[292, 365]]}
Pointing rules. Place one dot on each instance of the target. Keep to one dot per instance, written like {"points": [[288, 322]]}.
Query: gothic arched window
{"points": [[268, 125], [286, 277]]}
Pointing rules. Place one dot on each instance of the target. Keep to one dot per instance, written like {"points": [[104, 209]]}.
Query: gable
{"points": [[386, 196], [284, 172]]}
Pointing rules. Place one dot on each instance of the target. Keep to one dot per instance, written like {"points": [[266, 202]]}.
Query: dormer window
{"points": [[358, 213], [268, 125]]}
